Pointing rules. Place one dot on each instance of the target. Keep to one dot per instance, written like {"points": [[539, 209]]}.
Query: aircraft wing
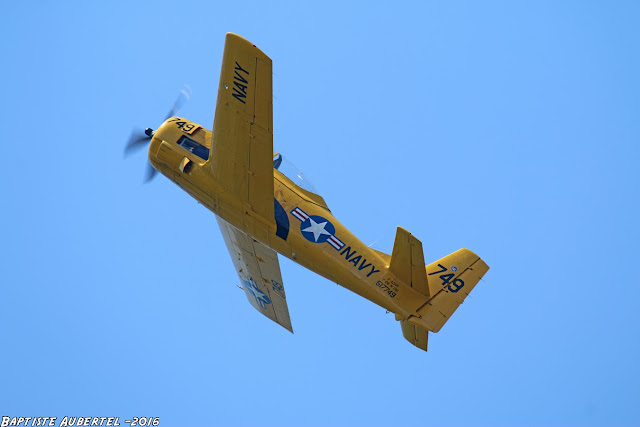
{"points": [[242, 146], [259, 271]]}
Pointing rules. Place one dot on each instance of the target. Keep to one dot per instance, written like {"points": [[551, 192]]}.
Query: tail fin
{"points": [[445, 283], [414, 334], [407, 264], [407, 261]]}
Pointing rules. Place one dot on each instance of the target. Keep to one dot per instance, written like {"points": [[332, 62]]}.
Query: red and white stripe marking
{"points": [[335, 242], [299, 213]]}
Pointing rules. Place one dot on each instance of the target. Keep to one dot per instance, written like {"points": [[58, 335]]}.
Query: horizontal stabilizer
{"points": [[451, 279]]}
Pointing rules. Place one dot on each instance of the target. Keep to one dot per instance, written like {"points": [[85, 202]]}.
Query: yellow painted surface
{"points": [[239, 184]]}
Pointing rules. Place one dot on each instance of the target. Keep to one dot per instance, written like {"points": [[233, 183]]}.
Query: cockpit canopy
{"points": [[288, 169], [194, 147]]}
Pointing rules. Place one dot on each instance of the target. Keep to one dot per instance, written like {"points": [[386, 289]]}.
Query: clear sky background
{"points": [[510, 128]]}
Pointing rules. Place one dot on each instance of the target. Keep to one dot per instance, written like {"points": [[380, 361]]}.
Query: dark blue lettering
{"points": [[237, 95], [356, 260], [243, 88], [242, 93], [350, 255], [238, 67], [363, 265], [348, 251], [373, 270], [239, 78]]}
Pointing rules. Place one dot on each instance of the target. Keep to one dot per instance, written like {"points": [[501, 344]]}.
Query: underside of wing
{"points": [[242, 146], [259, 271]]}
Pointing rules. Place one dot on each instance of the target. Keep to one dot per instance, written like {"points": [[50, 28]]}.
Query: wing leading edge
{"points": [[259, 272]]}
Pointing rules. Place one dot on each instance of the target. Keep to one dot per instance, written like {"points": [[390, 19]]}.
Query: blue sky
{"points": [[510, 128]]}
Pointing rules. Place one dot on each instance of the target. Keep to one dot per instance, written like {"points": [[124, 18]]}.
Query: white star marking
{"points": [[261, 297], [317, 229], [256, 291]]}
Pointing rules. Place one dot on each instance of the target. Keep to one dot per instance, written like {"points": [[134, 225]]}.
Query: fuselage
{"points": [[302, 228]]}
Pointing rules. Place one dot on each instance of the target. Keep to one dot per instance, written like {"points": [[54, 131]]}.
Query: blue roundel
{"points": [[317, 229]]}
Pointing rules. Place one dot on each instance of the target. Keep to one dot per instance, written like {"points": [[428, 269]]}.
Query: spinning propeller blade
{"points": [[183, 97], [140, 139], [151, 173], [137, 140]]}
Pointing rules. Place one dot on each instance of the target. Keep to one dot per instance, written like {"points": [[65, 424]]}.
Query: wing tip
{"points": [[233, 38]]}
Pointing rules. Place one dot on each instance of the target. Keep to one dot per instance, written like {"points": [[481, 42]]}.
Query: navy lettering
{"points": [[238, 67], [356, 260], [363, 265], [239, 78], [237, 95], [242, 92], [243, 88], [348, 251], [351, 256], [373, 270]]}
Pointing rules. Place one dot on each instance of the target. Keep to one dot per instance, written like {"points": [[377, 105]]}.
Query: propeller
{"points": [[139, 139], [183, 97]]}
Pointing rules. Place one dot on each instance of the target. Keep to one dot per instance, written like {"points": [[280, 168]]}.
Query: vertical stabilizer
{"points": [[407, 261], [407, 264], [414, 334]]}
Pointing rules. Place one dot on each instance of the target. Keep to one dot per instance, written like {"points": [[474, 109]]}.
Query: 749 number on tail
{"points": [[454, 286]]}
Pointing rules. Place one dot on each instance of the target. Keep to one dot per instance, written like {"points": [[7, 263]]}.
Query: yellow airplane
{"points": [[261, 211]]}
